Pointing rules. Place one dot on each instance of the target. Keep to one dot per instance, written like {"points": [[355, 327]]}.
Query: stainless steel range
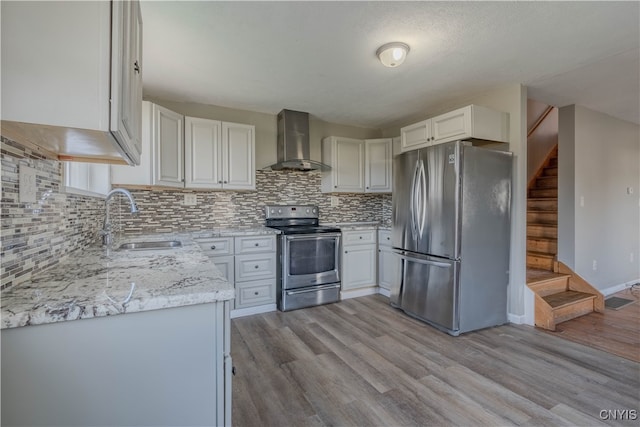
{"points": [[308, 271]]}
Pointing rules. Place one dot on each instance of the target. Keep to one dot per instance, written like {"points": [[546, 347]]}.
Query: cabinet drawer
{"points": [[255, 293], [384, 237], [217, 246], [254, 267], [253, 244], [360, 237]]}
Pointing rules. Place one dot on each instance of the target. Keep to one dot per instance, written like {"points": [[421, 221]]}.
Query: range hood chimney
{"points": [[293, 143]]}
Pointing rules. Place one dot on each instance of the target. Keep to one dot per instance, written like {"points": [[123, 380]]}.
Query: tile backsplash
{"points": [[37, 235], [164, 211]]}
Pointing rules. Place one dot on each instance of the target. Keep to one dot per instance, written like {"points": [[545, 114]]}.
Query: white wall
{"points": [[543, 139], [266, 128], [605, 153]]}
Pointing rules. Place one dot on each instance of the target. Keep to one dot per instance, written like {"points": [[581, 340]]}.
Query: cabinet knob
{"points": [[257, 244], [255, 293], [256, 267], [136, 67], [219, 182], [213, 246], [225, 182], [360, 237], [346, 252], [335, 186]]}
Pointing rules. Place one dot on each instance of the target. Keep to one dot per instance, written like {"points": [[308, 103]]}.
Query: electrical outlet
{"points": [[190, 200], [27, 184], [595, 265], [335, 201]]}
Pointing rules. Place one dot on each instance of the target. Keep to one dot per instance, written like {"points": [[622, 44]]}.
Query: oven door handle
{"points": [[313, 289], [312, 236]]}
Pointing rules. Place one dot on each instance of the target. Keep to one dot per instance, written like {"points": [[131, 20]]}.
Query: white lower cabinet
{"points": [[359, 258], [388, 262], [247, 262]]}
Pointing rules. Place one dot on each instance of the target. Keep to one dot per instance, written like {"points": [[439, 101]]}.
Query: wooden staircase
{"points": [[560, 294]]}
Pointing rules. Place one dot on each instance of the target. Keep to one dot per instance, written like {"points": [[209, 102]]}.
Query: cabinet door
{"points": [[238, 153], [378, 161], [452, 125], [203, 153], [358, 266], [417, 135], [168, 134], [348, 165], [388, 267], [126, 74]]}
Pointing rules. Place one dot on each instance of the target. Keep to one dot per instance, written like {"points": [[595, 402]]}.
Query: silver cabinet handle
{"points": [[313, 289]]}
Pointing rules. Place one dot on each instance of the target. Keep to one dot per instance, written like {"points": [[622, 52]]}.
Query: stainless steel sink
{"points": [[145, 246]]}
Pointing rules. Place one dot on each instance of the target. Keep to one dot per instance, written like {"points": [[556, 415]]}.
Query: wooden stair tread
{"points": [[536, 276], [563, 299], [539, 254]]}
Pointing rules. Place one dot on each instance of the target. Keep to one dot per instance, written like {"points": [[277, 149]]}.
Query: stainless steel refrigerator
{"points": [[451, 232]]}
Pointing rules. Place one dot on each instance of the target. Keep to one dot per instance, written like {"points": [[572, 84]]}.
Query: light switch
{"points": [[27, 184]]}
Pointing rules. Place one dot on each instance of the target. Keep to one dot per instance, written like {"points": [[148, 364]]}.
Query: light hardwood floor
{"points": [[362, 363], [614, 331]]}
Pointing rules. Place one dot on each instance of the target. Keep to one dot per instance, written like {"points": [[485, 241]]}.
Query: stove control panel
{"points": [[290, 211]]}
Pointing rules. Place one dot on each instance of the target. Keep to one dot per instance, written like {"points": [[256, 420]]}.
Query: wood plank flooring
{"points": [[362, 363], [614, 331]]}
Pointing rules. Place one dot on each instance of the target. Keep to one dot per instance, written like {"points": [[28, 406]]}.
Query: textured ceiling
{"points": [[319, 57]]}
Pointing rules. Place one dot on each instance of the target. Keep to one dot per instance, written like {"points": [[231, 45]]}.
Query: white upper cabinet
{"points": [[378, 164], [191, 152], [417, 135], [71, 78], [203, 150], [238, 156], [168, 141], [357, 166], [470, 122], [346, 158]]}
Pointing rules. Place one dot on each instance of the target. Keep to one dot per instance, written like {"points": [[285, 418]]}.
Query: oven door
{"points": [[310, 259]]}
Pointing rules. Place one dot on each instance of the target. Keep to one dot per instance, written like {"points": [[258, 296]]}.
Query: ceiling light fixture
{"points": [[392, 54]]}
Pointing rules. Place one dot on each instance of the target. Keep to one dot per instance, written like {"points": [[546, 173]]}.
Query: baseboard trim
{"points": [[359, 292], [617, 288], [241, 312], [385, 292], [516, 319]]}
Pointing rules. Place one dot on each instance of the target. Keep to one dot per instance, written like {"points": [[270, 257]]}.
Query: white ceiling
{"points": [[319, 57]]}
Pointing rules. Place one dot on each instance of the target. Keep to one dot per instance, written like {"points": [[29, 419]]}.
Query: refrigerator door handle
{"points": [[412, 201], [425, 261], [423, 198]]}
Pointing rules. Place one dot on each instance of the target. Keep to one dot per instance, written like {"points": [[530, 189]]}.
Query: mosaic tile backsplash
{"points": [[163, 211], [38, 235]]}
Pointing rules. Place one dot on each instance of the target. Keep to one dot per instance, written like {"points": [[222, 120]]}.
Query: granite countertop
{"points": [[232, 232], [96, 282]]}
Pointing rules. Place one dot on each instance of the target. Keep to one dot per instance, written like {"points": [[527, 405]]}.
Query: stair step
{"points": [[543, 193], [542, 204], [546, 246], [542, 217], [546, 182], [542, 230], [540, 260], [566, 298], [550, 171], [545, 282]]}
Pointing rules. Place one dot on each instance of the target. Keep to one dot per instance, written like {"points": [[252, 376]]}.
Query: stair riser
{"points": [[539, 262], [553, 162], [542, 205], [542, 218], [545, 192], [549, 287], [545, 246], [547, 182], [572, 311], [550, 171], [545, 232]]}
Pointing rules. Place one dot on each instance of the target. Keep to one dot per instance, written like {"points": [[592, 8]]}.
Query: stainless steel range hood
{"points": [[293, 143]]}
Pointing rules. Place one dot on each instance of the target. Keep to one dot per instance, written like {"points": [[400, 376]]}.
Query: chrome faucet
{"points": [[106, 228]]}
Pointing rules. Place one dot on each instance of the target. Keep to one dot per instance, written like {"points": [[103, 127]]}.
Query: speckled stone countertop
{"points": [[232, 232], [354, 226], [96, 282]]}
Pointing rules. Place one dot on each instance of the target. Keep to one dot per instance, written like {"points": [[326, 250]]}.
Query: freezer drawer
{"points": [[428, 290]]}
